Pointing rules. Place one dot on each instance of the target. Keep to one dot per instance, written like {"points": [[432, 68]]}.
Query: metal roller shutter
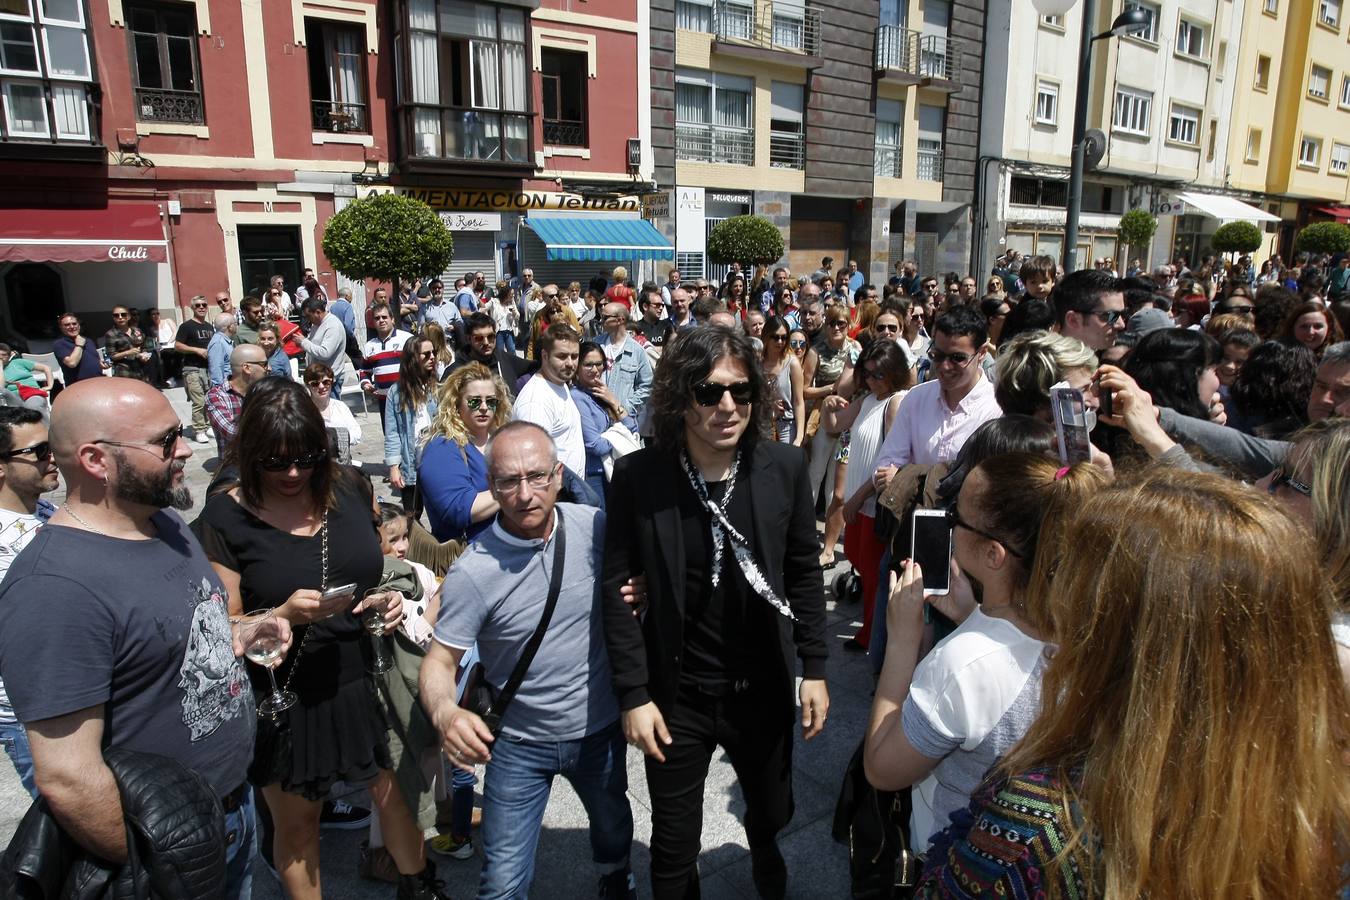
{"points": [[534, 255], [475, 251]]}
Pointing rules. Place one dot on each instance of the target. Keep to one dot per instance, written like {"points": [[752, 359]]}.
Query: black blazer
{"points": [[644, 535]]}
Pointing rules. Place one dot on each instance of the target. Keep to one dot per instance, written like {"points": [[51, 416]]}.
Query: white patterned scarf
{"points": [[723, 531]]}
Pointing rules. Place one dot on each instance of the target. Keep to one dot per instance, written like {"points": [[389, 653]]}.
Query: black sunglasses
{"points": [[958, 359], [281, 464], [1109, 316], [41, 450], [955, 521], [1281, 477], [165, 444], [709, 393]]}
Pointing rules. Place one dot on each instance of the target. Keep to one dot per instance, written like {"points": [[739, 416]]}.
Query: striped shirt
{"points": [[382, 357]]}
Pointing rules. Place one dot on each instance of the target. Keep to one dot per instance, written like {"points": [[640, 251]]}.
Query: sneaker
{"points": [[343, 816], [376, 864], [423, 886], [452, 845], [620, 885], [201, 438]]}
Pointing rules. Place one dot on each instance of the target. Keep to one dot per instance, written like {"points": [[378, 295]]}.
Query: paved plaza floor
{"points": [[817, 865]]}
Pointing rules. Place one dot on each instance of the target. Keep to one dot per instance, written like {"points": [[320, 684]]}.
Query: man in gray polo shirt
{"points": [[564, 719]]}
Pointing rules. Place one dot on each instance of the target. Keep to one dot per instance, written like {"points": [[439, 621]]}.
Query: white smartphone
{"points": [[1066, 405], [931, 548], [342, 590]]}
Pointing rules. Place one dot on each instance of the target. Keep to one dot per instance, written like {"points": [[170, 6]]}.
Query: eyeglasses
{"points": [[476, 403], [893, 329], [797, 344], [1109, 316], [166, 444], [709, 393], [1238, 310], [199, 306], [872, 372], [779, 337], [954, 520], [535, 480], [594, 364], [120, 315], [961, 360], [1280, 477], [839, 323], [282, 464], [427, 354], [322, 382], [40, 450]]}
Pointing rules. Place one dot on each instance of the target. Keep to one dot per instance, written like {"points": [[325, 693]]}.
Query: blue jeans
{"points": [[241, 843], [597, 483], [876, 648], [15, 740], [506, 341], [515, 793]]}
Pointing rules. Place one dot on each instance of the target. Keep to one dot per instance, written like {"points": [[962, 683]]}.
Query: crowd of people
{"points": [[615, 505]]}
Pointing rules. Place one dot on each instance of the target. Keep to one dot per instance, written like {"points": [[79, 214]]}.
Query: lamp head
{"points": [[1130, 21], [1053, 7]]}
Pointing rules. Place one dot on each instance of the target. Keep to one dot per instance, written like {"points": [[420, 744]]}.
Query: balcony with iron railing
{"points": [[904, 56], [764, 31], [339, 118], [437, 137], [787, 149], [928, 165], [715, 144], [564, 133], [888, 161], [157, 105]]}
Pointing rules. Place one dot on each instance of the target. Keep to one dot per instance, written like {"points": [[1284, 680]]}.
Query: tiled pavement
{"points": [[817, 866]]}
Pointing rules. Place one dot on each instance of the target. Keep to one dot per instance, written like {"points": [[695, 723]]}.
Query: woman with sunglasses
{"points": [[940, 721], [452, 473], [599, 410], [409, 407], [783, 372], [445, 357], [295, 526], [799, 343], [336, 414]]}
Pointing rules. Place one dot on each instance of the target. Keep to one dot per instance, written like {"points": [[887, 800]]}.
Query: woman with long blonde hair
{"points": [[452, 473], [1193, 722]]}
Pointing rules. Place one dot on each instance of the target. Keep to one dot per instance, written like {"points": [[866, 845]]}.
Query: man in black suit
{"points": [[482, 348], [720, 521]]}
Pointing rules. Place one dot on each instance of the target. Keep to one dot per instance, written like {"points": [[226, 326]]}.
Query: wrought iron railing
{"points": [[917, 54], [438, 132], [340, 118], [939, 57], [715, 143], [564, 133], [888, 161], [929, 163], [787, 149], [156, 105], [773, 26]]}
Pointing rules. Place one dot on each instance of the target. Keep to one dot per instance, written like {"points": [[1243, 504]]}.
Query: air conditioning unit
{"points": [[634, 154]]}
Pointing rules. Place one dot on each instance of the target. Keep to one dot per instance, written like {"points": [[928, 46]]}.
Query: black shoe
{"points": [[343, 816], [620, 885], [769, 872], [853, 646], [422, 886]]}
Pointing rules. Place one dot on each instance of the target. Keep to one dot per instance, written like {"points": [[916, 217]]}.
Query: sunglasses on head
{"points": [[709, 393], [477, 403], [283, 463]]}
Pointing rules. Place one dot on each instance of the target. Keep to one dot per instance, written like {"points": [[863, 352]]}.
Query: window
{"points": [[1262, 81], [787, 138], [932, 124], [694, 15], [1272, 7], [714, 116], [1345, 90], [564, 75], [1023, 190], [1183, 123], [1047, 102], [1150, 32], [337, 76], [1339, 161], [468, 92], [1319, 82], [1056, 21], [1310, 152], [1253, 145], [45, 70], [1191, 39], [164, 63], [1329, 12], [1132, 111], [890, 138], [1211, 142], [1220, 60]]}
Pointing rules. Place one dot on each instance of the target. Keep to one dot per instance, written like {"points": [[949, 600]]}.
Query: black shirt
{"points": [[729, 631], [655, 332], [195, 334]]}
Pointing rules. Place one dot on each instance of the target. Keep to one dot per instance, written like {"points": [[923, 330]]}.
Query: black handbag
{"points": [[480, 697], [875, 825]]}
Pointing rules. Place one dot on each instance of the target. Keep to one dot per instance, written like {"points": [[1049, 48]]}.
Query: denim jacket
{"points": [[400, 441], [630, 378]]}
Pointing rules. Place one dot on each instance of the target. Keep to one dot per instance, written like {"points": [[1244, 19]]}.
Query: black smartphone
{"points": [[1066, 404], [931, 548], [1104, 402]]}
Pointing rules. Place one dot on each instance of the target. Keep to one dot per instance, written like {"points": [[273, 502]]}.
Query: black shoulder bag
{"points": [[480, 697]]}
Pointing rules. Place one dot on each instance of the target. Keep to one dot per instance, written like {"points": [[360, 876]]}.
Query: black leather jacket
{"points": [[175, 842]]}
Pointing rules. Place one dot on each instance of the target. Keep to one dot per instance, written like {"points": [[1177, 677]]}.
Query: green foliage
{"points": [[1324, 237], [1137, 227], [749, 240], [1236, 237], [386, 236]]}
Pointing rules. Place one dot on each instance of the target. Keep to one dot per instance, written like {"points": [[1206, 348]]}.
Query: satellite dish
{"points": [[1094, 148]]}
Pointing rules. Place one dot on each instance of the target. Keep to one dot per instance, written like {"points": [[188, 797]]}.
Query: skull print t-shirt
{"points": [[140, 628]]}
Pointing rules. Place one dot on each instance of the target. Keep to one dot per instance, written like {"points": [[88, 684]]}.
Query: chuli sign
{"points": [[128, 254]]}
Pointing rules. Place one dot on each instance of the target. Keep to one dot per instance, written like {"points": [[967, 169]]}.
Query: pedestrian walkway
{"points": [[817, 865]]}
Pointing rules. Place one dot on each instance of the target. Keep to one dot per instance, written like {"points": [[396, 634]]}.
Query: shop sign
{"points": [[474, 200], [458, 221], [722, 197], [130, 254]]}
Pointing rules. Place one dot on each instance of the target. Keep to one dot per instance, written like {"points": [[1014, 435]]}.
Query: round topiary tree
{"points": [[386, 236], [1323, 237], [749, 240], [1136, 229], [1236, 237]]}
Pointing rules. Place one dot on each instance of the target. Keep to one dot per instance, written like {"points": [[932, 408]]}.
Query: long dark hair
{"points": [[1168, 363], [894, 365], [279, 419], [1274, 384], [687, 362], [414, 382]]}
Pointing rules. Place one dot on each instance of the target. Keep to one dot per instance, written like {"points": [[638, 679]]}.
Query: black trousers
{"points": [[754, 726]]}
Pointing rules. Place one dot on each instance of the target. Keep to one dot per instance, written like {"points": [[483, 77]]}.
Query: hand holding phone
{"points": [[1070, 412], [931, 548]]}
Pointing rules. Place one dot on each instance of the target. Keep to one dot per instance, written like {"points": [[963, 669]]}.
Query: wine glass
{"points": [[372, 617], [260, 633]]}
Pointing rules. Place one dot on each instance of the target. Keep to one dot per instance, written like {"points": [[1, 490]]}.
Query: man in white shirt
{"points": [[546, 401]]}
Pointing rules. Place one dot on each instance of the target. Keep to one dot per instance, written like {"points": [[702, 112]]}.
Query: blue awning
{"points": [[600, 237]]}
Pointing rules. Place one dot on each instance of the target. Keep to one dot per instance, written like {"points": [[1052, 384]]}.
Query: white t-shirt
{"points": [[551, 407], [971, 698], [16, 530]]}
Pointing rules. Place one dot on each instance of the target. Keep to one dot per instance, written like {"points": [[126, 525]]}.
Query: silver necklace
{"points": [[71, 512]]}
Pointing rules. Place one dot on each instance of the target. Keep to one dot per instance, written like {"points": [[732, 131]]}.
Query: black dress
{"points": [[336, 731]]}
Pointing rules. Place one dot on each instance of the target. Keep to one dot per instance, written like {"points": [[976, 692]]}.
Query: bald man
{"points": [[116, 628], [248, 364]]}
